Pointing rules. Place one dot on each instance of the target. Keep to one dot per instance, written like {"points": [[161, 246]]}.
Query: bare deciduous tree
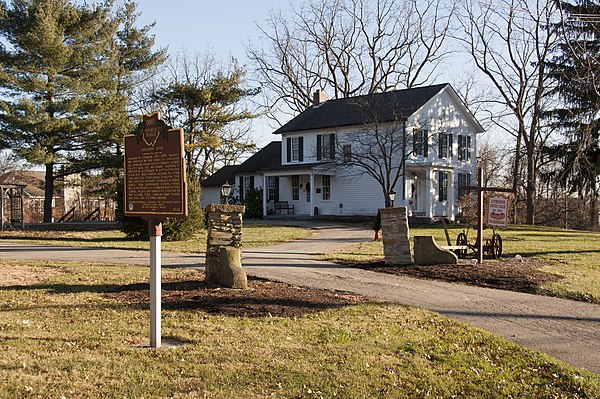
{"points": [[510, 42], [206, 99], [7, 163], [350, 47]]}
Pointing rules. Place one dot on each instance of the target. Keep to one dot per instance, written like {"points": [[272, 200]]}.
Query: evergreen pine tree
{"points": [[56, 70], [576, 70]]}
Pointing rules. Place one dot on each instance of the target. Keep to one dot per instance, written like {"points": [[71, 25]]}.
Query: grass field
{"points": [[572, 255], [65, 337], [253, 235]]}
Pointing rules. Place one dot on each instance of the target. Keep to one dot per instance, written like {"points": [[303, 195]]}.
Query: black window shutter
{"points": [[301, 149], [276, 188], [415, 142], [289, 149], [441, 146], [251, 186], [332, 146], [450, 143], [241, 188], [319, 146], [425, 143]]}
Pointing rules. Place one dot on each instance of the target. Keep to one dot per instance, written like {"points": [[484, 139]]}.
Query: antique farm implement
{"points": [[491, 246]]}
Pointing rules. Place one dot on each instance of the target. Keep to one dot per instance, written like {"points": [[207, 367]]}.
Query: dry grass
{"points": [[66, 337]]}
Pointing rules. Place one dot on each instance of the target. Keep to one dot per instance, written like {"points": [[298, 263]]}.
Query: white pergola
{"points": [[12, 194]]}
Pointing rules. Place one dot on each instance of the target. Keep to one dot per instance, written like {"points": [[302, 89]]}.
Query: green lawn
{"points": [[65, 338], [253, 235], [571, 254]]}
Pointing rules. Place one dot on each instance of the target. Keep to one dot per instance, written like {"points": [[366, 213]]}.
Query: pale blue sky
{"points": [[224, 26]]}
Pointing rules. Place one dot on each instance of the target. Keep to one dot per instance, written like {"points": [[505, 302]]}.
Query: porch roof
{"points": [[226, 173], [294, 167]]}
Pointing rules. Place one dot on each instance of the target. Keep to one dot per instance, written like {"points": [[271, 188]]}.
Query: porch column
{"points": [[265, 193], [312, 194], [429, 194], [451, 200]]}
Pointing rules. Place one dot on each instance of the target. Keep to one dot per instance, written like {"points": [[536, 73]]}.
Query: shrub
{"points": [[254, 203]]}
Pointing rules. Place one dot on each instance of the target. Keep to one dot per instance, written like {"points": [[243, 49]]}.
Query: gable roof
{"points": [[269, 157], [33, 180], [382, 107], [385, 107]]}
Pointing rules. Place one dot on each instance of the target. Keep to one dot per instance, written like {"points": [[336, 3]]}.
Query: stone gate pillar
{"points": [[396, 240], [224, 233]]}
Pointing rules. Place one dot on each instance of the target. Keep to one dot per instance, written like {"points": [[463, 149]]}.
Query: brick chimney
{"points": [[319, 97]]}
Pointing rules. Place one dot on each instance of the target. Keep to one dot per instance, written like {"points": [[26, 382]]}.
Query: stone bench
{"points": [[427, 252]]}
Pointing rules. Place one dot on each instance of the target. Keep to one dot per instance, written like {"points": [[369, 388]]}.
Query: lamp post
{"points": [[392, 195], [225, 191]]}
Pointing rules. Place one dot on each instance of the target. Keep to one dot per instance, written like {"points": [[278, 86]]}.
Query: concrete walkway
{"points": [[566, 330]]}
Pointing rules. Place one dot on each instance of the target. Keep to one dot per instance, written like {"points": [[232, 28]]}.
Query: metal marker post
{"points": [[155, 232]]}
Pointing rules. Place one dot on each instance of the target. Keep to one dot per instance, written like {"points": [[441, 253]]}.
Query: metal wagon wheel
{"points": [[496, 246], [461, 239]]}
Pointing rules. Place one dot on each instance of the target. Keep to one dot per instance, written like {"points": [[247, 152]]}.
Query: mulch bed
{"points": [[507, 274], [263, 298]]}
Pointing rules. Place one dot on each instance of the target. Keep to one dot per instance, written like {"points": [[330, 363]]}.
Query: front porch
{"points": [[430, 192], [303, 189]]}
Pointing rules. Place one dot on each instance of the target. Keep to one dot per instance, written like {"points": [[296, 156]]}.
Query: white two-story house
{"points": [[330, 157]]}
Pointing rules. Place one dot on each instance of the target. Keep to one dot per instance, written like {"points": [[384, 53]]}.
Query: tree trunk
{"points": [[48, 193], [593, 212], [515, 177], [531, 176]]}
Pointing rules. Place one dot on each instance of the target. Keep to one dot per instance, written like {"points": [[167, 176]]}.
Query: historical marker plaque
{"points": [[498, 211], [155, 184]]}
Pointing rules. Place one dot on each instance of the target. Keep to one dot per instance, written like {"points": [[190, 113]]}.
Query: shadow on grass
{"points": [[263, 298]]}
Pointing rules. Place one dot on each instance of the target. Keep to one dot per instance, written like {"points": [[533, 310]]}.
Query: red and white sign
{"points": [[498, 211]]}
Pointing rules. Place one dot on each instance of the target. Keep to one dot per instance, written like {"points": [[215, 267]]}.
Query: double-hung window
{"points": [[443, 186], [347, 152], [464, 180], [445, 146], [295, 149], [326, 187], [296, 188], [464, 148], [420, 142], [272, 188], [325, 146]]}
